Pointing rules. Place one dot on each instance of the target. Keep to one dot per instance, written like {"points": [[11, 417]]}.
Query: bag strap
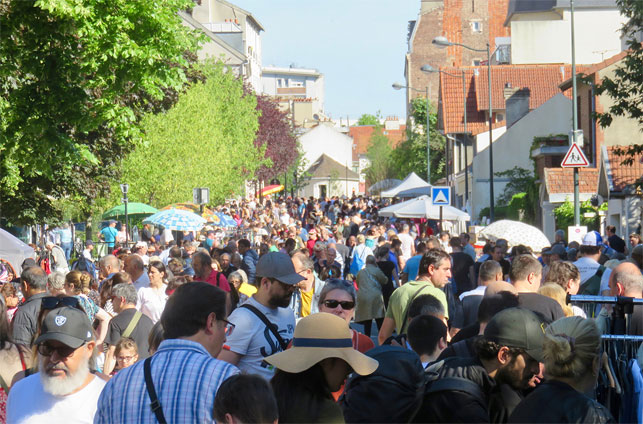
{"points": [[151, 391], [132, 324], [218, 279], [448, 384], [408, 306], [272, 327]]}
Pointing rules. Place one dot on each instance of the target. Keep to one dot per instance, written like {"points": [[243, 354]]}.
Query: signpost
{"points": [[201, 196], [441, 196], [575, 158], [124, 190]]}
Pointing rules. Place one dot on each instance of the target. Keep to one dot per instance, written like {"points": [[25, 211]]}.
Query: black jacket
{"points": [[25, 322], [458, 406], [557, 402]]}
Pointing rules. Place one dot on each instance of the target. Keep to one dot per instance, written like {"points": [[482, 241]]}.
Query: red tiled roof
{"points": [[561, 180], [624, 175], [361, 135], [542, 81]]}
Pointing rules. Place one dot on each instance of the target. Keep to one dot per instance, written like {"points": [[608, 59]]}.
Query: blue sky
{"points": [[358, 45]]}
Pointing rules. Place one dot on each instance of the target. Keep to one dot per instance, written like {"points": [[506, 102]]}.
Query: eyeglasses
{"points": [[229, 327], [62, 351], [126, 358], [52, 302], [346, 305]]}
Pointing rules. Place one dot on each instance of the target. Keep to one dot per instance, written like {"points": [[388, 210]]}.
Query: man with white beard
{"points": [[64, 390]]}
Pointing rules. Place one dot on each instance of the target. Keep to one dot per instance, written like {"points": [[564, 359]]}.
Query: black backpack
{"points": [[393, 393], [593, 284]]}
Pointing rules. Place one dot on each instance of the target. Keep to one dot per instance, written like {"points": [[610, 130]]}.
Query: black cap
{"points": [[279, 266], [518, 328], [66, 325]]}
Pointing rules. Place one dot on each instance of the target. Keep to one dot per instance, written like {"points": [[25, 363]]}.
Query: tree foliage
{"points": [[625, 87], [205, 140], [368, 119], [75, 77], [276, 137], [379, 154], [565, 215], [410, 155]]}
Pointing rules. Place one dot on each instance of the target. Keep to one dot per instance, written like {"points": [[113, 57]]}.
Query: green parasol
{"points": [[133, 208]]}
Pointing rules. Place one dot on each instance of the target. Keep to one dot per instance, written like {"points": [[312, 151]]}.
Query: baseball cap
{"points": [[89, 243], [66, 325], [518, 328], [278, 265], [593, 238], [558, 249]]}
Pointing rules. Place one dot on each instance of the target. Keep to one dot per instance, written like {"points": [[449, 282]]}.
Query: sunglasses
{"points": [[346, 305], [52, 302], [229, 327], [62, 351]]}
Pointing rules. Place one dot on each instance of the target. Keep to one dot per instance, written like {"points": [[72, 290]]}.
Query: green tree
{"points": [[379, 154], [565, 215], [410, 155], [625, 86], [368, 119], [75, 78], [205, 140]]}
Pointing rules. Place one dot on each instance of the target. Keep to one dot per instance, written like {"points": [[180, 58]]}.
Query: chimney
{"points": [[516, 104]]}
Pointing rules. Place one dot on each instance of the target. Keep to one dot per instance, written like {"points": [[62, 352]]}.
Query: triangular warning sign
{"points": [[440, 197], [575, 158]]}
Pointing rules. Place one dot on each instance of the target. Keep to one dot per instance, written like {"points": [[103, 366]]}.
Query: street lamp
{"points": [[399, 86], [444, 42], [431, 69], [124, 190]]}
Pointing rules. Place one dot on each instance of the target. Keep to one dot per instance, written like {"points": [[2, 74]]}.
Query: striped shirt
{"points": [[186, 378]]}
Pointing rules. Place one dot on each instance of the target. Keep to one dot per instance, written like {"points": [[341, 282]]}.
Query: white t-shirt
{"points": [[29, 403], [407, 242], [151, 302], [588, 267], [254, 341]]}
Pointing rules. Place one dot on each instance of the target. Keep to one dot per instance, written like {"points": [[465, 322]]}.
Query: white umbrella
{"points": [[176, 219], [422, 207], [14, 250], [516, 233]]}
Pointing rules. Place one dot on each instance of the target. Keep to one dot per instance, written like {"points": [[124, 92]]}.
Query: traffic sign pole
{"points": [[441, 224]]}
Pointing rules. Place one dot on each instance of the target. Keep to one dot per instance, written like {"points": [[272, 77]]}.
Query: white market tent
{"points": [[384, 185], [14, 250], [412, 181], [422, 207]]}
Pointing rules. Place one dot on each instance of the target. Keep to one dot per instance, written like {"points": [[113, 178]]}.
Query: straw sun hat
{"points": [[317, 337]]}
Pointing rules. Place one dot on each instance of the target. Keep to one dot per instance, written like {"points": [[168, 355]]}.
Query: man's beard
{"points": [[61, 386], [280, 301]]}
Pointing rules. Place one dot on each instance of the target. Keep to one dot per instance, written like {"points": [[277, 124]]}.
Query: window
{"points": [[476, 26], [500, 117], [476, 62], [296, 83]]}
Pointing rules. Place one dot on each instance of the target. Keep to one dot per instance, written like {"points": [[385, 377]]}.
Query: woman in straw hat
{"points": [[321, 357]]}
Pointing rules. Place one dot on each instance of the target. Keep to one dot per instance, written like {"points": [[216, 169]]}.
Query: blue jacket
{"points": [[249, 264]]}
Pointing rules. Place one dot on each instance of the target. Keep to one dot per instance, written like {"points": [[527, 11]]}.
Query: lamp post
{"points": [[124, 190], [399, 86], [431, 69], [443, 42]]}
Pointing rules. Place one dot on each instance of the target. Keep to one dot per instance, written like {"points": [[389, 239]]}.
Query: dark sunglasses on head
{"points": [[62, 351], [52, 302], [346, 305]]}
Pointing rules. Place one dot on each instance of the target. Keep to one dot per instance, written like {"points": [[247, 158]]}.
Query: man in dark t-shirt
{"points": [[462, 269], [614, 241], [498, 255], [525, 275], [124, 303]]}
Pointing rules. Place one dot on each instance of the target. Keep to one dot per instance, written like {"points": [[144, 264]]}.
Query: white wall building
{"points": [[541, 31], [238, 28], [512, 148], [296, 83], [324, 139]]}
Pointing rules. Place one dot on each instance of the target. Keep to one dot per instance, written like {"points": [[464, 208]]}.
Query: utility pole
{"points": [[575, 121]]}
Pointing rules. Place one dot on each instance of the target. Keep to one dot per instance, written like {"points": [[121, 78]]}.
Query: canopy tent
{"points": [[14, 250], [388, 184], [412, 181], [415, 192], [133, 208], [422, 207]]}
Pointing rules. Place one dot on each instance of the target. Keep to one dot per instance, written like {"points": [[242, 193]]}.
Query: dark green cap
{"points": [[518, 328]]}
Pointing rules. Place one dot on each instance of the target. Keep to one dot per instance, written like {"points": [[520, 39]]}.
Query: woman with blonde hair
{"points": [[557, 293], [566, 275], [571, 353], [77, 284]]}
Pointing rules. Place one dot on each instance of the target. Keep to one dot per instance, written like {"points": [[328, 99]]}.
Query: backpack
{"points": [[393, 393], [434, 384], [84, 264], [593, 284], [356, 265]]}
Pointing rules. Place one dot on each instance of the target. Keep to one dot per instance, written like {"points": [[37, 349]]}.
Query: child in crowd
{"points": [[126, 354]]}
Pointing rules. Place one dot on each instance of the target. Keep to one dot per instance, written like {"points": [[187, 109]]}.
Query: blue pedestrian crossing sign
{"points": [[441, 196]]}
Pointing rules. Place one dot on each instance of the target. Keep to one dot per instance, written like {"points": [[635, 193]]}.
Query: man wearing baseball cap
{"points": [[264, 324], [594, 277], [64, 390], [508, 357]]}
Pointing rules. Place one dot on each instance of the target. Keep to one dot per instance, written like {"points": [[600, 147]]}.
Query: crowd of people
{"points": [[273, 322]]}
